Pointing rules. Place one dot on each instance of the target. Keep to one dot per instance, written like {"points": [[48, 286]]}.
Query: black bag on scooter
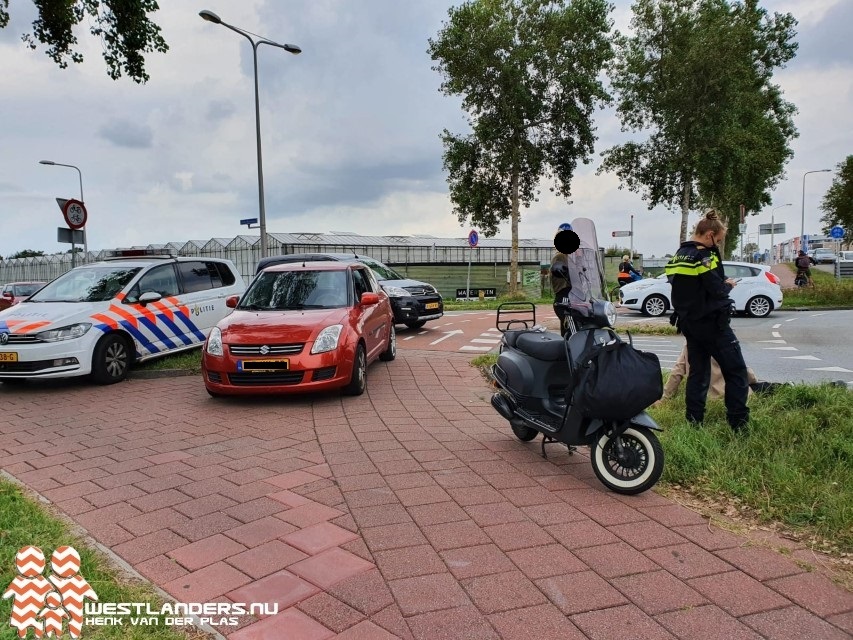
{"points": [[615, 381]]}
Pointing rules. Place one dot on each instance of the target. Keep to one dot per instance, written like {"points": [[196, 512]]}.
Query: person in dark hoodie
{"points": [[561, 284], [702, 309]]}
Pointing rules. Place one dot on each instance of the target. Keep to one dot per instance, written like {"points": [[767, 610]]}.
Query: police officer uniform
{"points": [[702, 307]]}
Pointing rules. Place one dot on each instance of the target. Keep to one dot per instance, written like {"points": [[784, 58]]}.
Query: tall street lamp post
{"points": [[290, 48], [772, 227], [803, 214], [85, 240]]}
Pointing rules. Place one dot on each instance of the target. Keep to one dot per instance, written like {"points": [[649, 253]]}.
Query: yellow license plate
{"points": [[431, 305], [9, 356], [265, 366]]}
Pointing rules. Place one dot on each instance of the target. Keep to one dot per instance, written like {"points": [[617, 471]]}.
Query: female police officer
{"points": [[700, 298]]}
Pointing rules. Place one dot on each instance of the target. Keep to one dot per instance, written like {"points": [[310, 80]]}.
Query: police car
{"points": [[99, 318]]}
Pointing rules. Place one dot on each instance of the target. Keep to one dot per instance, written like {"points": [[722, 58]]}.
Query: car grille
{"points": [[265, 379], [420, 291], [324, 374], [25, 367], [22, 338], [274, 349]]}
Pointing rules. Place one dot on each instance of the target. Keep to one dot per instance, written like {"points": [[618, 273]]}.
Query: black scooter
{"points": [[535, 374]]}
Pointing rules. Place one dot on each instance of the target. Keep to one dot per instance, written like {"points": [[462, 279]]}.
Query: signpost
{"points": [[837, 233], [621, 234], [473, 241]]}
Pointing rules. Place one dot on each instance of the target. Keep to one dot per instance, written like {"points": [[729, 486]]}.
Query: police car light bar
{"points": [[141, 253]]}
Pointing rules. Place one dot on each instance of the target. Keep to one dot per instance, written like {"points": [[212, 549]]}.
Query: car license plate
{"points": [[431, 305], [263, 366], [9, 356]]}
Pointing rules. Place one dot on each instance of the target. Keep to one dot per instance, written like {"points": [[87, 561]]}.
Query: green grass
{"points": [[795, 466], [190, 360], [827, 292], [24, 522]]}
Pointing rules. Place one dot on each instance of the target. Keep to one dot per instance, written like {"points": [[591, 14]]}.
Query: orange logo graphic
{"points": [[44, 604]]}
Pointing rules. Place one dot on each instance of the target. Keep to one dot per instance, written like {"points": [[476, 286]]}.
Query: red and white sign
{"points": [[75, 214]]}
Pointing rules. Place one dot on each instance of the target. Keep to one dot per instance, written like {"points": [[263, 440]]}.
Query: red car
{"points": [[12, 293], [306, 326]]}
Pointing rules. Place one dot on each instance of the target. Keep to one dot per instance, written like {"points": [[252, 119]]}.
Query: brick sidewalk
{"points": [[409, 512]]}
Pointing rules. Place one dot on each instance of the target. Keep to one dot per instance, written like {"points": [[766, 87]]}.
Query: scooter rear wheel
{"points": [[522, 431], [639, 467]]}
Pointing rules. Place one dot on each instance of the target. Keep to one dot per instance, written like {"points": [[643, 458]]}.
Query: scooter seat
{"points": [[511, 337], [544, 345]]}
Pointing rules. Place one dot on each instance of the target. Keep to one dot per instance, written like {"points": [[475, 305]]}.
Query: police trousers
{"points": [[715, 338]]}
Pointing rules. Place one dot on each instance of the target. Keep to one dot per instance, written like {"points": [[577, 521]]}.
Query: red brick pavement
{"points": [[409, 512]]}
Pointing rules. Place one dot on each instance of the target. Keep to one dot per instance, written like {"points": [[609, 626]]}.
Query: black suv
{"points": [[413, 302]]}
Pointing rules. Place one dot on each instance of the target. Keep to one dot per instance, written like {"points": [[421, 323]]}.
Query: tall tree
{"points": [[123, 27], [529, 74], [837, 204], [698, 75], [26, 253]]}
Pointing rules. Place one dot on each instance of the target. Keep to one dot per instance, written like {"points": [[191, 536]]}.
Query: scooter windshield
{"points": [[586, 271]]}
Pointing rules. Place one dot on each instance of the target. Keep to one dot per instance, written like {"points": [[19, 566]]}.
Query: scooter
{"points": [[536, 376]]}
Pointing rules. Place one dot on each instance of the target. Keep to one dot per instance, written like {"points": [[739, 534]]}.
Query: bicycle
{"points": [[801, 280]]}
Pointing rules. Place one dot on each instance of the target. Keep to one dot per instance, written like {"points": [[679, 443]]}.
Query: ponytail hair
{"points": [[710, 222]]}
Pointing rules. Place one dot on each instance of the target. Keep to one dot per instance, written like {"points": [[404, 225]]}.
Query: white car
{"points": [[758, 292], [845, 256], [99, 318]]}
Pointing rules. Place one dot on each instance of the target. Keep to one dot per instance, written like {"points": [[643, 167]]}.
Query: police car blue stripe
{"points": [[152, 326], [104, 327], [190, 325], [174, 328], [4, 327], [139, 336]]}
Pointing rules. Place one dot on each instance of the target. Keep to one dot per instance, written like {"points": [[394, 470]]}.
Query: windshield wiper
{"points": [[253, 307], [300, 307]]}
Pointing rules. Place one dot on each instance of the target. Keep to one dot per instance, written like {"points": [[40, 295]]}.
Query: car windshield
{"points": [[22, 290], [87, 284], [382, 271], [293, 290]]}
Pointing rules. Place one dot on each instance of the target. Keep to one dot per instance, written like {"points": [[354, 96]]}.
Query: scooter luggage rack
{"points": [[525, 309]]}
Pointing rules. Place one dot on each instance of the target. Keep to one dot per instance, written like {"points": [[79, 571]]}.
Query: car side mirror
{"points": [[231, 301], [369, 298], [7, 294], [148, 297]]}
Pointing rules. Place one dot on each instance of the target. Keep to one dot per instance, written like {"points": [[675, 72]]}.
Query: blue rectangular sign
{"points": [[249, 221]]}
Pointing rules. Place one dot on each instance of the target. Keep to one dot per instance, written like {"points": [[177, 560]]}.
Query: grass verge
{"points": [[188, 360], [492, 305], [24, 522], [827, 292]]}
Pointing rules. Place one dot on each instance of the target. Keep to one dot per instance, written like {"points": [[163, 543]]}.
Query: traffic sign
{"points": [[75, 214], [69, 236], [248, 221], [473, 238], [768, 229], [742, 228], [837, 232], [621, 234]]}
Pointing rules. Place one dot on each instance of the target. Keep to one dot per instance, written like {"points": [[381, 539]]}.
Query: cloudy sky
{"points": [[350, 129]]}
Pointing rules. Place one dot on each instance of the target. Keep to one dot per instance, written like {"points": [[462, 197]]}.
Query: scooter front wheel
{"points": [[522, 431], [631, 469]]}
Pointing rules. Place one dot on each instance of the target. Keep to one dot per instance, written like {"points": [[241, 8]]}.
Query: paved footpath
{"points": [[409, 512]]}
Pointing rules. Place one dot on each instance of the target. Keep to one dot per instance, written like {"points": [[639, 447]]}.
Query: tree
{"points": [[123, 27], [26, 253], [528, 72], [837, 204], [698, 75]]}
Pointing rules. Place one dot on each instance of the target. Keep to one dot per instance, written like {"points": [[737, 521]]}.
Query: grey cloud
{"points": [[127, 134], [220, 109], [827, 43]]}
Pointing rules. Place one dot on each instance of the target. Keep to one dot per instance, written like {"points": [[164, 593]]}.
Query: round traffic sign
{"points": [[473, 238], [837, 232], [75, 214]]}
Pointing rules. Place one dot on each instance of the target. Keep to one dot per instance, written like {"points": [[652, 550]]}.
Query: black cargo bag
{"points": [[615, 381]]}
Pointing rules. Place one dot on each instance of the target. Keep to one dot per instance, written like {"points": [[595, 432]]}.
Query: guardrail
{"points": [[843, 269]]}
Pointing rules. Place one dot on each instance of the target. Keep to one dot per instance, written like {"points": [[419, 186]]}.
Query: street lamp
{"points": [[772, 228], [803, 215], [85, 240], [290, 48]]}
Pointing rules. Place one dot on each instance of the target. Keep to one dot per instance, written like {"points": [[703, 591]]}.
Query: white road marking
{"points": [[776, 326], [833, 369], [408, 337], [773, 341], [800, 358], [776, 334], [815, 315], [790, 319], [486, 340], [420, 333], [781, 348], [447, 334], [470, 348]]}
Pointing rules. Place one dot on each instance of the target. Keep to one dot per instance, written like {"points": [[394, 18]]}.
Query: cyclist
{"points": [[803, 263]]}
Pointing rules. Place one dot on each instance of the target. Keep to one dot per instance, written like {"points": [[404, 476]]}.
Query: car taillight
{"points": [[772, 277]]}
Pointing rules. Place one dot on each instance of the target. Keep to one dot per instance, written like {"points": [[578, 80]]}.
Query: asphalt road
{"points": [[787, 346]]}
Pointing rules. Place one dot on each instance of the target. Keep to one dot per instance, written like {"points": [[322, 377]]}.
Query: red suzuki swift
{"points": [[300, 327]]}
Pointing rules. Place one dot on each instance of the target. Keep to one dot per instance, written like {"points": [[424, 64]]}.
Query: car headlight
{"points": [[396, 292], [70, 332], [327, 339], [214, 342]]}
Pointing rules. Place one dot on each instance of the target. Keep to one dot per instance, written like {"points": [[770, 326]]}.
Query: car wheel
{"points": [[358, 380], [416, 325], [759, 307], [111, 359], [655, 306], [391, 352]]}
